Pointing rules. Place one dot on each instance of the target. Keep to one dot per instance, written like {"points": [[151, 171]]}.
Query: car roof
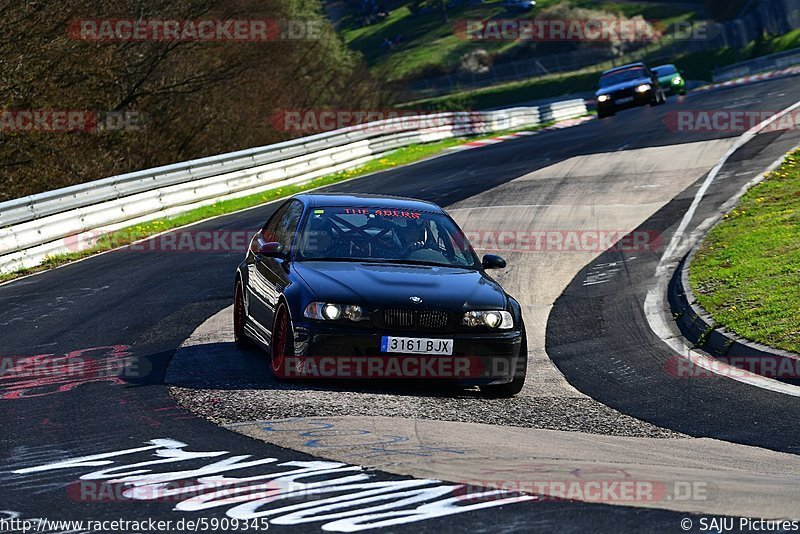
{"points": [[665, 66], [624, 67], [318, 200]]}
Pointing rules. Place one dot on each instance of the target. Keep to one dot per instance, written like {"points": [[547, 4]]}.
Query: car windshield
{"points": [[666, 70], [613, 78], [384, 236]]}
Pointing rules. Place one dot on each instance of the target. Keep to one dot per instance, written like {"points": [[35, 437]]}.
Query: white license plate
{"points": [[416, 345], [625, 100]]}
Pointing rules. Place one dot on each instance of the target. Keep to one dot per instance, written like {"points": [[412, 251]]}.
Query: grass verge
{"points": [[694, 66], [746, 274], [130, 234], [429, 45]]}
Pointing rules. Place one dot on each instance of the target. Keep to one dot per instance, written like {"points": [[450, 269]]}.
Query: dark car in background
{"points": [[627, 86], [340, 280], [670, 79]]}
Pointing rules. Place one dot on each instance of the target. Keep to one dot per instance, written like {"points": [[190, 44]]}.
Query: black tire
{"points": [[601, 115], [282, 343], [661, 98], [504, 391], [239, 318]]}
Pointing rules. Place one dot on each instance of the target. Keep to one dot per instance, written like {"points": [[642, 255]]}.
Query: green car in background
{"points": [[670, 79]]}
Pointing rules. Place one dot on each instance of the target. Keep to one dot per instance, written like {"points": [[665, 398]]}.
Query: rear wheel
{"points": [[282, 344], [515, 386], [239, 319]]}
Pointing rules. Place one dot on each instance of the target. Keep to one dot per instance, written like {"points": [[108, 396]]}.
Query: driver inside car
{"points": [[412, 236]]}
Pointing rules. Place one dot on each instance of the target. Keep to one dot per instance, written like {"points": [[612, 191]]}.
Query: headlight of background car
{"points": [[676, 80], [493, 319], [643, 88], [603, 98], [326, 311]]}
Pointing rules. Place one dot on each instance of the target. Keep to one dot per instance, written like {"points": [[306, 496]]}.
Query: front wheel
{"points": [[502, 391], [282, 343]]}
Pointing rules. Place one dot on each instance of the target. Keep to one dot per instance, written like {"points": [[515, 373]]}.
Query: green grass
{"points": [[747, 271], [694, 66], [430, 46], [427, 41], [130, 234]]}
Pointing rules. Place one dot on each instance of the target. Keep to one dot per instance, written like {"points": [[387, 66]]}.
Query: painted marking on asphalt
{"points": [[23, 377], [602, 273], [340, 496]]}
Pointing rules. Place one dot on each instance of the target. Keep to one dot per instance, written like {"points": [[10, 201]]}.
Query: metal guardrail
{"points": [[37, 226], [777, 61]]}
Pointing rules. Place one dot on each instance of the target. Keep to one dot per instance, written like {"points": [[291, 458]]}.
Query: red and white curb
{"points": [[500, 138], [751, 79]]}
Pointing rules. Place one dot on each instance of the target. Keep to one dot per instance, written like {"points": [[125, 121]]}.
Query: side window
{"points": [[287, 223], [269, 230]]}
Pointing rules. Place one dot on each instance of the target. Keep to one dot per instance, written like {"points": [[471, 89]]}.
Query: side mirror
{"points": [[493, 261], [267, 249], [271, 249]]}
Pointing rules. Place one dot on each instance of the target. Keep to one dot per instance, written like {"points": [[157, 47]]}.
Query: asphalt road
{"points": [[135, 308]]}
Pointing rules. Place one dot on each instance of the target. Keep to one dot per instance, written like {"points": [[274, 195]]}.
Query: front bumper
{"points": [[679, 88], [336, 351], [625, 101]]}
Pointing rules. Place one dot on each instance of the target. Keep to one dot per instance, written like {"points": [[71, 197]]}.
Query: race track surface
{"points": [[132, 310]]}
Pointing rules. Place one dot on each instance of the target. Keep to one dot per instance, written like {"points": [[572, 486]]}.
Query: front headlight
{"points": [[502, 320], [327, 311], [676, 80], [603, 98], [643, 88]]}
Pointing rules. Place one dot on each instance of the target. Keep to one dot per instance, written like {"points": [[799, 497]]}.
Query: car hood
{"points": [[375, 285], [666, 79], [624, 85]]}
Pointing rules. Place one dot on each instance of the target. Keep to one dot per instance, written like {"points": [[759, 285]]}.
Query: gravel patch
{"points": [[243, 390]]}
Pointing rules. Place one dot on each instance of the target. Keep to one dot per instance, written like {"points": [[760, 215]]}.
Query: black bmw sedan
{"points": [[359, 286], [627, 86]]}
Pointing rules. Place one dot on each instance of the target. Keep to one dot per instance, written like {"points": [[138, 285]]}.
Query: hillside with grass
{"points": [[694, 66], [402, 41]]}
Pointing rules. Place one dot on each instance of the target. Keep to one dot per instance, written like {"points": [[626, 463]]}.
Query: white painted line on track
{"points": [[654, 302]]}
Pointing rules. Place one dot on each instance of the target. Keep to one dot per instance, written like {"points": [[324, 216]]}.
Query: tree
{"points": [[199, 98]]}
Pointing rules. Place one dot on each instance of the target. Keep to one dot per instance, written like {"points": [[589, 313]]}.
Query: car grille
{"points": [[422, 319], [616, 95]]}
